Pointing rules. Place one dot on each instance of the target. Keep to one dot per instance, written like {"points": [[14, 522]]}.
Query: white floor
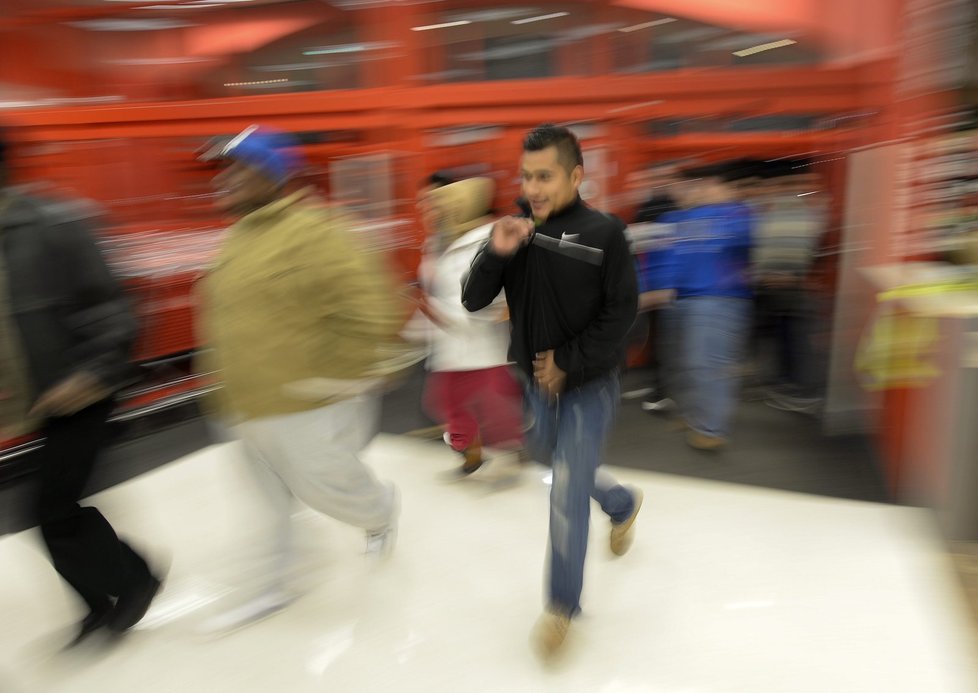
{"points": [[727, 588]]}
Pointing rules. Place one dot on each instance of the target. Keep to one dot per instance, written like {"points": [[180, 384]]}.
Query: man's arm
{"points": [[98, 317], [101, 317], [484, 280], [607, 331]]}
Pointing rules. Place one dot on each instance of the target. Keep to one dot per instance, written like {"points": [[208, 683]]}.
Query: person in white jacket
{"points": [[470, 388]]}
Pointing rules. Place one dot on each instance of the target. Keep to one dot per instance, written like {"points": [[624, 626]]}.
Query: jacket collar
{"points": [[269, 212]]}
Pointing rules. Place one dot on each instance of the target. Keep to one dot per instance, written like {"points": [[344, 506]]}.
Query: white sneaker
{"points": [[261, 607], [380, 543]]}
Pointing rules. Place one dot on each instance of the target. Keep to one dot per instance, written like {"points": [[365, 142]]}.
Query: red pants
{"points": [[484, 405]]}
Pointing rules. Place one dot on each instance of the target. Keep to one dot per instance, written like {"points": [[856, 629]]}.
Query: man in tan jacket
{"points": [[301, 325]]}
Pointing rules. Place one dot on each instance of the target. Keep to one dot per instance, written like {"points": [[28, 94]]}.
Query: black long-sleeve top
{"points": [[580, 310]]}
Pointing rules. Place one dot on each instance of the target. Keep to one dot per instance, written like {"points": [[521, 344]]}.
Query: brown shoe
{"points": [[621, 533], [473, 457], [704, 442], [549, 633]]}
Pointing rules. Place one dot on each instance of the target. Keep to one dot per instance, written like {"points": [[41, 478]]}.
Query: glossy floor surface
{"points": [[727, 588]]}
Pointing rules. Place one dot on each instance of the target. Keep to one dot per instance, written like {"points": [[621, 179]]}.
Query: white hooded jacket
{"points": [[463, 341], [460, 340]]}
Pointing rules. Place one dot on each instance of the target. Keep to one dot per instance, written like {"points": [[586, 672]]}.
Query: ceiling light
{"points": [[129, 24], [195, 6], [765, 47], [446, 25], [541, 18], [290, 67], [496, 15], [342, 48], [632, 106], [648, 25], [257, 83], [157, 61]]}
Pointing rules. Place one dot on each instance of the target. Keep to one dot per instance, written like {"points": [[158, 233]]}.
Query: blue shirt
{"points": [[710, 254]]}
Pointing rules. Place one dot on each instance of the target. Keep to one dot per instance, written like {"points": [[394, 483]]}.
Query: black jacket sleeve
{"points": [[607, 331], [98, 315], [484, 280]]}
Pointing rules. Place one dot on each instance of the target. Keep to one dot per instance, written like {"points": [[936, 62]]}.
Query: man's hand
{"points": [[548, 375], [651, 300], [70, 396], [509, 234]]}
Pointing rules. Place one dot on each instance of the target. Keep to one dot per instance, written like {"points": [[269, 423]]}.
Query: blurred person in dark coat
{"points": [[65, 342]]}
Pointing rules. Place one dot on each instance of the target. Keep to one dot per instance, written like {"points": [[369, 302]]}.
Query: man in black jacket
{"points": [[572, 294], [66, 337]]}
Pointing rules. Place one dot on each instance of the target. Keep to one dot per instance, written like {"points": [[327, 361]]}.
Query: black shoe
{"points": [[459, 473], [131, 607], [92, 623]]}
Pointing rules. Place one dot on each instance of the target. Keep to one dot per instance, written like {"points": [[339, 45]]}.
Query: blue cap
{"points": [[272, 152]]}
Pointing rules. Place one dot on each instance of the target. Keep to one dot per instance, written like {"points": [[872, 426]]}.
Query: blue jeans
{"points": [[569, 435], [714, 333]]}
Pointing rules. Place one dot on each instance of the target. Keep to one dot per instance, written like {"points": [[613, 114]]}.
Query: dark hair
{"points": [[725, 172], [439, 179], [550, 135]]}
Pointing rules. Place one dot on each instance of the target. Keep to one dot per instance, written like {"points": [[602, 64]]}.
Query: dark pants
{"points": [[84, 548], [785, 317]]}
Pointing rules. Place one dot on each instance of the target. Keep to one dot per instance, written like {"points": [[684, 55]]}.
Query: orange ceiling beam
{"points": [[753, 15], [846, 29], [241, 36]]}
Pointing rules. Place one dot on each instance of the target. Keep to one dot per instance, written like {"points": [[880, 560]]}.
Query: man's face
{"points": [[242, 189], [547, 185]]}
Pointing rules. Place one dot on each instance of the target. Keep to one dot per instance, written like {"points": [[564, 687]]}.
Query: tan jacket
{"points": [[297, 315]]}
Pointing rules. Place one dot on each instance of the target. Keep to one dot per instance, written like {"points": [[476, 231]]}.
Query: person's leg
{"points": [[722, 328], [800, 322], [667, 345], [694, 371], [320, 461], [268, 591], [259, 452], [584, 420], [446, 400], [540, 417], [84, 547], [499, 407]]}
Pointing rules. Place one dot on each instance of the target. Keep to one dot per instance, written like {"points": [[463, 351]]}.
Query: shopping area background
{"points": [[846, 131]]}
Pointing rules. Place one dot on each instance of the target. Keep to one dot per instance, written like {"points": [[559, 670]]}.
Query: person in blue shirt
{"points": [[710, 265], [656, 280]]}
